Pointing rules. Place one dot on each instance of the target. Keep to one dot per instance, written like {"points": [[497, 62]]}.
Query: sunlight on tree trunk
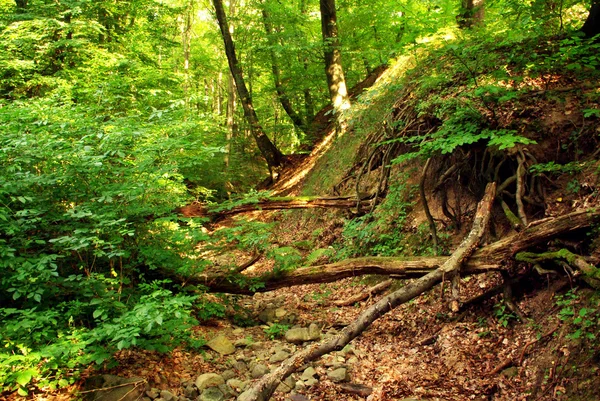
{"points": [[336, 81], [271, 154], [472, 13]]}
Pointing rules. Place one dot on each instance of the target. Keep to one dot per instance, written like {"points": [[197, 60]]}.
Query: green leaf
{"points": [[24, 377]]}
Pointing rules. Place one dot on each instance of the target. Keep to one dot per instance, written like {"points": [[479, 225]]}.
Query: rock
{"points": [[117, 388], [311, 382], [259, 370], [298, 397], [314, 332], [222, 345], [238, 331], [245, 396], [297, 335], [153, 393], [287, 385], [243, 342], [309, 373], [228, 374], [209, 380], [258, 345], [190, 392], [226, 390], [212, 394], [268, 315], [352, 360], [279, 356], [166, 395], [237, 385], [338, 375], [240, 366], [300, 386], [146, 399]]}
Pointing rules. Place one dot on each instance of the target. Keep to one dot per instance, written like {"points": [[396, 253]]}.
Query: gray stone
{"points": [[246, 396], [228, 374], [259, 370], [297, 335], [117, 388], [212, 394], [309, 373], [166, 395], [209, 380], [243, 342], [238, 331], [240, 366], [237, 385], [338, 375], [310, 382], [268, 315], [222, 345], [314, 332], [258, 345], [279, 356], [352, 360], [287, 385], [153, 393], [190, 392], [226, 390]]}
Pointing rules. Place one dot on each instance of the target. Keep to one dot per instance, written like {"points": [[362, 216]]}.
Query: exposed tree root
{"points": [[264, 388]]}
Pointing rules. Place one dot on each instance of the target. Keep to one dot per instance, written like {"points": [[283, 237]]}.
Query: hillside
{"points": [[436, 240]]}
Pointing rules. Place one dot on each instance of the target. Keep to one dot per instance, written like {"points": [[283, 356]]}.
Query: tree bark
{"points": [[336, 81], [282, 203], [281, 95], [591, 27], [472, 13], [271, 154], [264, 388], [491, 257]]}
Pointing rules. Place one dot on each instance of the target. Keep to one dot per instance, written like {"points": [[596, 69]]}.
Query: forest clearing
{"points": [[333, 200]]}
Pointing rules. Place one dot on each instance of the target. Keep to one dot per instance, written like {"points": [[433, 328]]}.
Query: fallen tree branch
{"points": [[491, 257], [264, 388], [384, 285], [276, 203]]}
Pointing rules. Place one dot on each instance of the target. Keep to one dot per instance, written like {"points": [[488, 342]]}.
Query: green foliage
{"points": [[381, 233], [503, 314], [583, 321], [276, 330]]}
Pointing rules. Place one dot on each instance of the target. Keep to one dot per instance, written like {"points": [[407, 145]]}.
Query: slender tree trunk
{"points": [[591, 27], [472, 13], [186, 30], [271, 154], [283, 98], [333, 58]]}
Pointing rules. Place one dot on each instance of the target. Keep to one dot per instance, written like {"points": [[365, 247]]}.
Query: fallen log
{"points": [[277, 203], [491, 257], [264, 388]]}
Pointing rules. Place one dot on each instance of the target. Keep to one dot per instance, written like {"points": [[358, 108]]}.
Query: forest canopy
{"points": [[115, 115]]}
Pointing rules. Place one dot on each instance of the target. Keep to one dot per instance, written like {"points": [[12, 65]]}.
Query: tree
{"points": [[471, 14], [336, 80], [283, 97], [269, 151], [591, 27]]}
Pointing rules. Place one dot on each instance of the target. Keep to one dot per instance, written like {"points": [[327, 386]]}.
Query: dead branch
{"points": [[264, 388], [280, 203], [491, 257], [521, 188], [376, 289]]}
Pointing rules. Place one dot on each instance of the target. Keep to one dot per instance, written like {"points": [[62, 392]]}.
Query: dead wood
{"points": [[283, 203], [376, 289], [357, 389], [491, 257], [264, 388]]}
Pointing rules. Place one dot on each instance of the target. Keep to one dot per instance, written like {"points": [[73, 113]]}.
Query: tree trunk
{"points": [[336, 81], [591, 27], [472, 13], [264, 388], [283, 98], [271, 154], [21, 5]]}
